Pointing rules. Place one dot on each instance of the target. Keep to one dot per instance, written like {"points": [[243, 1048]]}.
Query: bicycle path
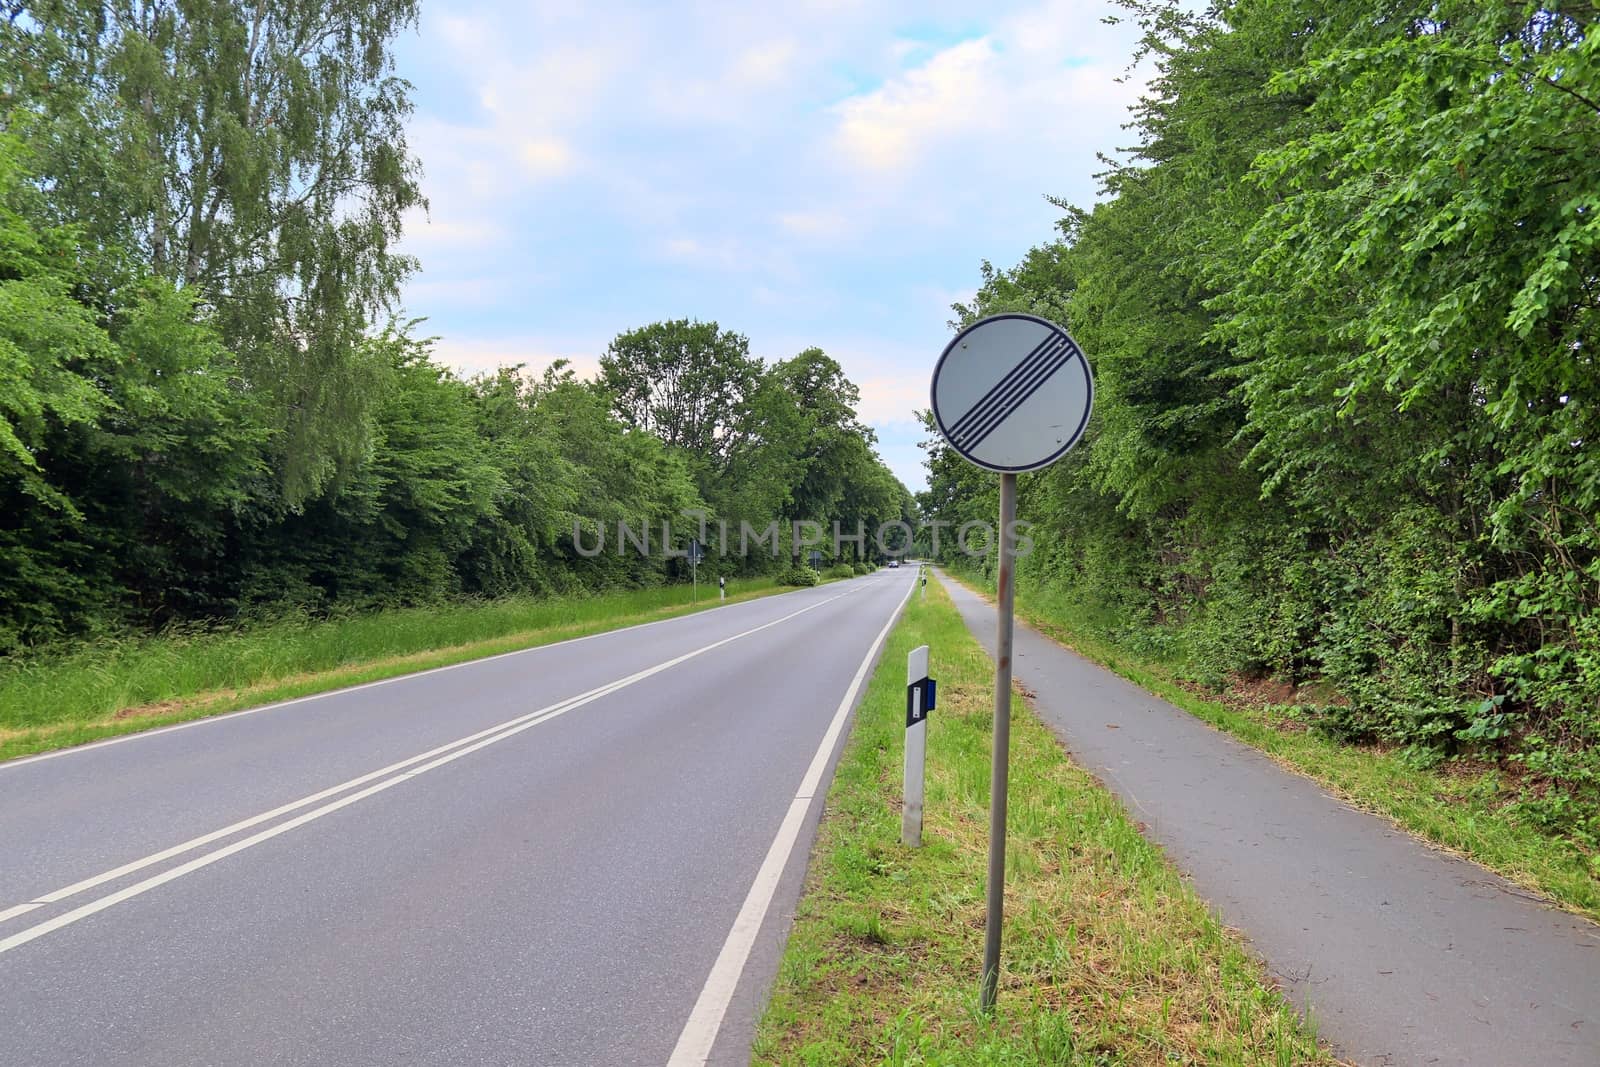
{"points": [[1401, 954]]}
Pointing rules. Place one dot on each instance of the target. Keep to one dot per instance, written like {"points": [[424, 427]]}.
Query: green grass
{"points": [[1108, 957], [1454, 806], [115, 687]]}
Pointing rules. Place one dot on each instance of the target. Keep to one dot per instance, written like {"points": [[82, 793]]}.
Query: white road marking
{"points": [[705, 1020], [208, 720], [439, 756], [11, 913]]}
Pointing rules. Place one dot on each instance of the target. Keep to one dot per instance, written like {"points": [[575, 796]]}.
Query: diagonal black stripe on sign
{"points": [[988, 400], [996, 396], [1038, 379], [1004, 404]]}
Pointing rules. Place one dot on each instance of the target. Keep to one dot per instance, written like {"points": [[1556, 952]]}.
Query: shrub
{"points": [[841, 570], [799, 575]]}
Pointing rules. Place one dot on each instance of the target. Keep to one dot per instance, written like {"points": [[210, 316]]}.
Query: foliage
{"points": [[139, 452], [252, 154], [798, 575], [1341, 307]]}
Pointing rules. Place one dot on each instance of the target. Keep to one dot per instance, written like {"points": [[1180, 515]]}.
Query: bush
{"points": [[841, 570], [863, 568], [799, 575]]}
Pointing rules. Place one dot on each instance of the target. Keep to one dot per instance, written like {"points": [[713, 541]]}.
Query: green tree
{"points": [[830, 443], [253, 154], [686, 382], [125, 442]]}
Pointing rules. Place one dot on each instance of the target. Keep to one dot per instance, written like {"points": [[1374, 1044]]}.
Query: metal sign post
{"points": [[1011, 393], [1000, 762]]}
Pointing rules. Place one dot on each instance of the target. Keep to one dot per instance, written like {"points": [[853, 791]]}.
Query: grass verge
{"points": [[1453, 806], [1108, 958], [117, 687]]}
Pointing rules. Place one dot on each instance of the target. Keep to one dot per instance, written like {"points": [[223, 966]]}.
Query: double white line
{"points": [[373, 782]]}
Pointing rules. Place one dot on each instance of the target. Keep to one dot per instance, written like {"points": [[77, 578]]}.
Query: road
{"points": [[1400, 953], [586, 853]]}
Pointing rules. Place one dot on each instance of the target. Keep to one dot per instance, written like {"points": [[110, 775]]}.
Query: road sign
{"points": [[1012, 393], [816, 558]]}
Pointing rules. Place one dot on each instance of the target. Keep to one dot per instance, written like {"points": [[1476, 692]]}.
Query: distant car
{"points": [[894, 563]]}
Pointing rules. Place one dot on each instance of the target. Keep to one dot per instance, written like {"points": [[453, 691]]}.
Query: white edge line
{"points": [[230, 715], [705, 1020], [452, 750]]}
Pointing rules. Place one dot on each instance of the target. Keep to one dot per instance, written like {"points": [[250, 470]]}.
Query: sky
{"points": [[816, 172]]}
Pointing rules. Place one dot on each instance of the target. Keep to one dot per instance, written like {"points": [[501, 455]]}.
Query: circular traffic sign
{"points": [[1012, 393]]}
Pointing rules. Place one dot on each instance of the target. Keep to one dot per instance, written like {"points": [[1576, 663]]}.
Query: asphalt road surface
{"points": [[586, 853], [1401, 953]]}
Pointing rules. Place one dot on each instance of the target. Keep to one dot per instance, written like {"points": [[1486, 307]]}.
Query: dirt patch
{"points": [[149, 711], [1260, 691]]}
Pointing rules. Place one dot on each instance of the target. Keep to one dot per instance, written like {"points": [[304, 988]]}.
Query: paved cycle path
{"points": [[1400, 953]]}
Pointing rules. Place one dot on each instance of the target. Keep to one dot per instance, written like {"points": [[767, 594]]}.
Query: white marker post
{"points": [[919, 701], [1011, 393]]}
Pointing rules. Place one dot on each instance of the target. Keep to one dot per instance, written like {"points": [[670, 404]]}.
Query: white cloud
{"points": [[462, 33], [1024, 95], [484, 355], [892, 126], [894, 399], [425, 292], [557, 87], [821, 223], [546, 157], [434, 231], [828, 171], [764, 64], [721, 255], [729, 255]]}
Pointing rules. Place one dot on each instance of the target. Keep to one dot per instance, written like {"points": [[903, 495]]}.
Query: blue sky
{"points": [[818, 172]]}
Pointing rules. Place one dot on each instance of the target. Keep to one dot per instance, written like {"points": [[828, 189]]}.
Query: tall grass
{"points": [[95, 681]]}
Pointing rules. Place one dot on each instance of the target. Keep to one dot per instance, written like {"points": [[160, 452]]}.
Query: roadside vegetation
{"points": [[1341, 305], [1109, 958], [214, 408], [93, 691], [1467, 806]]}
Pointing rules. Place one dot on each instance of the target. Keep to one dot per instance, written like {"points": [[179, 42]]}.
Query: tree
{"points": [[830, 442], [254, 155], [686, 382], [1341, 305], [125, 441]]}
